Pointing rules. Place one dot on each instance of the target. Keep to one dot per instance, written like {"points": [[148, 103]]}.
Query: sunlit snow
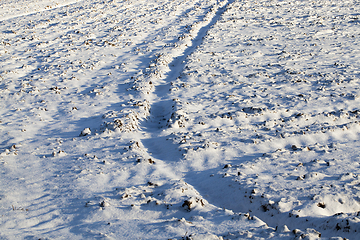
{"points": [[197, 119]]}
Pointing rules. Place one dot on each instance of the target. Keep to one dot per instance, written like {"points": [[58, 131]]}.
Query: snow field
{"points": [[179, 120]]}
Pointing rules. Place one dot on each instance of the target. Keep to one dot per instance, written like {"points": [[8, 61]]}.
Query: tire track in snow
{"points": [[151, 83], [168, 67], [144, 82], [150, 87]]}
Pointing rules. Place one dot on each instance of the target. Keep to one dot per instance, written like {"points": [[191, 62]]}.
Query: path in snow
{"points": [[160, 103]]}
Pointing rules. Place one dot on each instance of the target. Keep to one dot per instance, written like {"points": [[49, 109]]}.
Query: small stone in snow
{"points": [[321, 205], [60, 153], [227, 166], [104, 204], [85, 132]]}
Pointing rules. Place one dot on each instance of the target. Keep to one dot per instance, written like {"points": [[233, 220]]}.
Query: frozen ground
{"points": [[188, 119]]}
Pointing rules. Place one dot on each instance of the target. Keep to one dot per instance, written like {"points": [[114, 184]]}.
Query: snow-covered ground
{"points": [[197, 119]]}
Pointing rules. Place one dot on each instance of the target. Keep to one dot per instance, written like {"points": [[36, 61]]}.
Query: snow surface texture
{"points": [[215, 119]]}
